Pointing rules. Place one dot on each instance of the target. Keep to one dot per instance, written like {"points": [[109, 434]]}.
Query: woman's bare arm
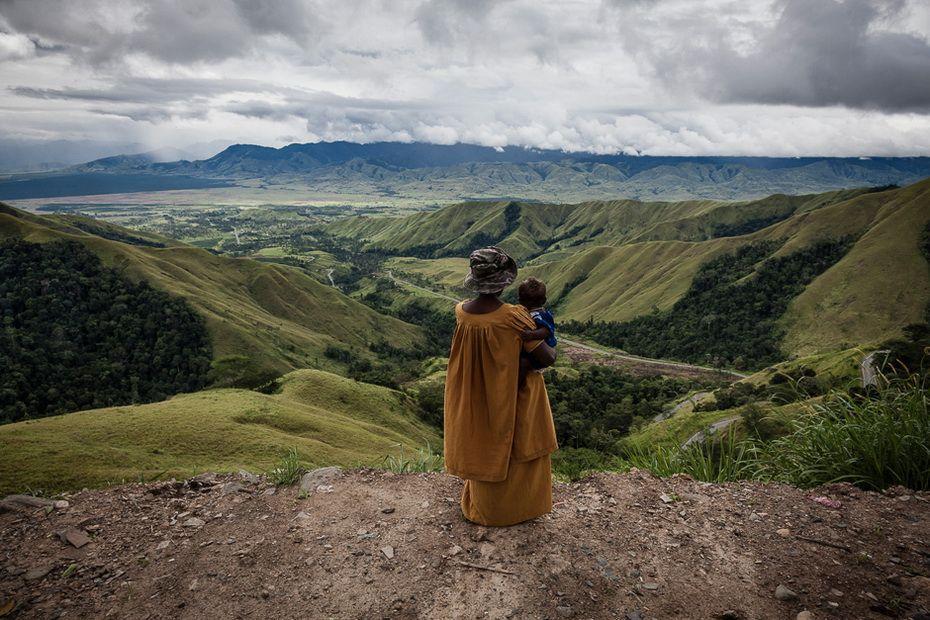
{"points": [[543, 355]]}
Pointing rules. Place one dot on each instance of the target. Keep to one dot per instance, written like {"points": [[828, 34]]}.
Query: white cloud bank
{"points": [[673, 77]]}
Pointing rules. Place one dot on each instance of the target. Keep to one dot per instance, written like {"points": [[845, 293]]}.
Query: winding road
{"points": [[622, 356]]}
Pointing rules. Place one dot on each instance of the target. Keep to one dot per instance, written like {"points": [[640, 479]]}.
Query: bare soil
{"points": [[644, 368], [371, 544]]}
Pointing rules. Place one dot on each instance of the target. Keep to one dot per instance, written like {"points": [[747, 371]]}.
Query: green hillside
{"points": [[615, 261], [330, 420], [275, 315]]}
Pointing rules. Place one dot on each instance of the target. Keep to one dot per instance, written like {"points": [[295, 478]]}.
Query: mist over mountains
{"points": [[464, 171]]}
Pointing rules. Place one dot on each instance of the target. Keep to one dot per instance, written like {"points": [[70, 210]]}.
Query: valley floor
{"points": [[371, 544]]}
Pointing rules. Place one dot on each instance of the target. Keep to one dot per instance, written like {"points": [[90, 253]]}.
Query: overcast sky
{"points": [[660, 77]]}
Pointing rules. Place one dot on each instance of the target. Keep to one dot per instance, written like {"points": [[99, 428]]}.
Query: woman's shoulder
{"points": [[520, 316]]}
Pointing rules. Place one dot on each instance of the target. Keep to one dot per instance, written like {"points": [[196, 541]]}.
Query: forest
{"points": [[77, 335], [728, 317]]}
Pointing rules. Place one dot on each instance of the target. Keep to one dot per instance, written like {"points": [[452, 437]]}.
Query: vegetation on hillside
{"points": [[599, 404], [874, 441], [728, 317], [77, 335], [325, 418]]}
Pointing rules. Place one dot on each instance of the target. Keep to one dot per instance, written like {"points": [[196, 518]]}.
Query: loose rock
{"points": [[319, 477], [783, 593]]}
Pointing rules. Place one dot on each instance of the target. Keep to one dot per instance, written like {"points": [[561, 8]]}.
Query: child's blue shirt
{"points": [[544, 318]]}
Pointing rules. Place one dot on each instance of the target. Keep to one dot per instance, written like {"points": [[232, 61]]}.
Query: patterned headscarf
{"points": [[491, 270]]}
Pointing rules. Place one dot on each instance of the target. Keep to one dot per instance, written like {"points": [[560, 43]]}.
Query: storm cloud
{"points": [[682, 77]]}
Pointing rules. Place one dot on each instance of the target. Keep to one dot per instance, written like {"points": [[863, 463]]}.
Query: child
{"points": [[532, 296]]}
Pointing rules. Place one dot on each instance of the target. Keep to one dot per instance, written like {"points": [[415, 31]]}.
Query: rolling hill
{"points": [[276, 316], [328, 419], [431, 173], [614, 261]]}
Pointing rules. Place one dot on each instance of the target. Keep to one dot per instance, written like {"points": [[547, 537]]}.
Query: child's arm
{"points": [[540, 333]]}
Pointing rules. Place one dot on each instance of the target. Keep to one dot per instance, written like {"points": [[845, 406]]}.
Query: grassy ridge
{"points": [[276, 315], [330, 420], [616, 260]]}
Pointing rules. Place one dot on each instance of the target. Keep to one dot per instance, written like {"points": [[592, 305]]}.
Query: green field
{"points": [[328, 419]]}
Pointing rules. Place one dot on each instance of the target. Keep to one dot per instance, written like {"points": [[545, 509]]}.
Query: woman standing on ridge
{"points": [[498, 426]]}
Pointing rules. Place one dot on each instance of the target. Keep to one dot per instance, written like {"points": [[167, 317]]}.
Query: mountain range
{"points": [[443, 173]]}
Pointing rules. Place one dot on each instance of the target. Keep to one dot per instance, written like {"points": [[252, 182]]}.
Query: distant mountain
{"points": [[448, 173]]}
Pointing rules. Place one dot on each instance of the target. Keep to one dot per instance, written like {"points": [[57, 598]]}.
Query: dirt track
{"points": [[371, 544]]}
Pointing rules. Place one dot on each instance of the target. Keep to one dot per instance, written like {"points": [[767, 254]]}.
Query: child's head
{"points": [[532, 293]]}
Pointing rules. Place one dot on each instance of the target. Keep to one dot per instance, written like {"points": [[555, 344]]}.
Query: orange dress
{"points": [[497, 438]]}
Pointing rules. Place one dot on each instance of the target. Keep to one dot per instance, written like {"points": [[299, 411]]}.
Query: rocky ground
{"points": [[371, 544]]}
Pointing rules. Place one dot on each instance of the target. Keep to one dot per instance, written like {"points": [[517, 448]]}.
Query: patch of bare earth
{"points": [[644, 368], [370, 544]]}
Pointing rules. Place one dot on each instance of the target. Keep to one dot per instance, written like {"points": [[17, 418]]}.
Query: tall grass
{"points": [[423, 460], [873, 441], [288, 470]]}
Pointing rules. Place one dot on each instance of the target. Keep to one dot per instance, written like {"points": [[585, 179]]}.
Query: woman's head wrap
{"points": [[491, 270]]}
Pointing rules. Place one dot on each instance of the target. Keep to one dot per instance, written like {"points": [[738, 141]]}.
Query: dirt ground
{"points": [[371, 544], [644, 369]]}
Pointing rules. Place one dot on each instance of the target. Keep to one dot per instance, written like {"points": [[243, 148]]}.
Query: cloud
{"points": [[823, 53], [15, 46], [779, 77], [173, 31]]}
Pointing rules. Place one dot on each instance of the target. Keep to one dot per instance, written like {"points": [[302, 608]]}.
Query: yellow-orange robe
{"points": [[497, 439]]}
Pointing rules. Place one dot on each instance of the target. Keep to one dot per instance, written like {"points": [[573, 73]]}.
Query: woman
{"points": [[498, 427]]}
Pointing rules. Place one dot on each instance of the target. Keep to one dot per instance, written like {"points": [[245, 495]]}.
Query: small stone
{"points": [[634, 615], [269, 491], [194, 522], [388, 552], [39, 572], [388, 510], [455, 550], [729, 614], [754, 517], [193, 586], [805, 615], [249, 477], [783, 532], [425, 504], [783, 593], [163, 545], [651, 585], [74, 537], [564, 611], [60, 504], [319, 477], [231, 487], [895, 559], [265, 594], [666, 499], [836, 593]]}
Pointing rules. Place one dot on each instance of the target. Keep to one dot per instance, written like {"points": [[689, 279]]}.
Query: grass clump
{"points": [[288, 470], [423, 460]]}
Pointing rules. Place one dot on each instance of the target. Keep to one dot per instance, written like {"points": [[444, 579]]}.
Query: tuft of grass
{"points": [[288, 470], [423, 460], [873, 441]]}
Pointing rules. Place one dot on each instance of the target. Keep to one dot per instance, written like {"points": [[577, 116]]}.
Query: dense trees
{"points": [[599, 405], [729, 315], [76, 335]]}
